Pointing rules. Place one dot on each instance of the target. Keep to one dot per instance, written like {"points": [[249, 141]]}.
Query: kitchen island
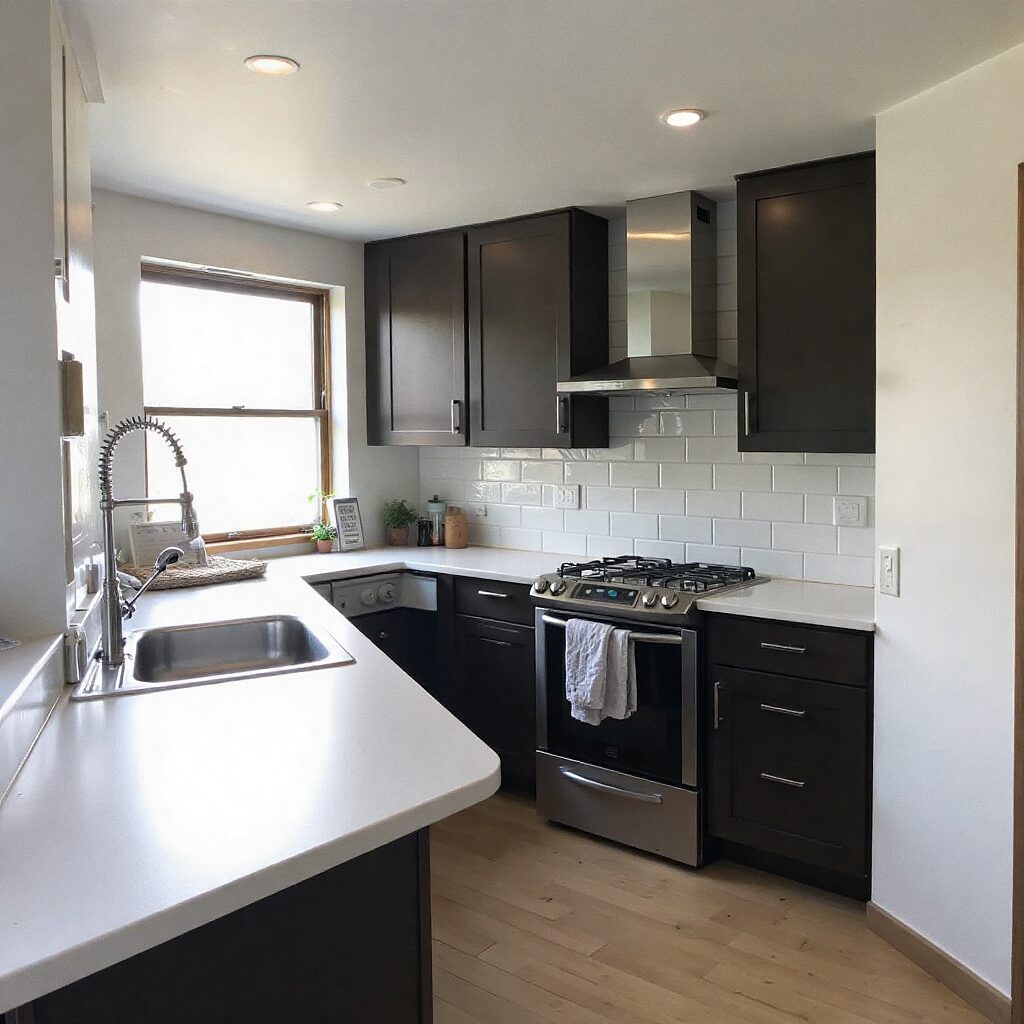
{"points": [[243, 837]]}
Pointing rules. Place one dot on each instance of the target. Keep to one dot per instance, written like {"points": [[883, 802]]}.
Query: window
{"points": [[238, 370]]}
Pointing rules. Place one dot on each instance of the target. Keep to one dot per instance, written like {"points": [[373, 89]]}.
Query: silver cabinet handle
{"points": [[491, 640], [784, 648], [718, 687], [781, 780], [776, 710], [456, 416], [493, 593], [643, 638], [561, 408], [604, 787], [746, 413]]}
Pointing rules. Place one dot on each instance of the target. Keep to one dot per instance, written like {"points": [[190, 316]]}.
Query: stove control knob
{"points": [[558, 587], [650, 600], [540, 585], [669, 601]]}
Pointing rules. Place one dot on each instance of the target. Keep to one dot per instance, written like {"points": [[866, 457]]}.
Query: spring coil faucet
{"points": [[114, 605]]}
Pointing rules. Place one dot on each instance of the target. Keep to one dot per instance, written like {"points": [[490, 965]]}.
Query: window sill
{"points": [[222, 547]]}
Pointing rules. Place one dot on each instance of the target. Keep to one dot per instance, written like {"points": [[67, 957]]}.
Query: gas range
{"points": [[647, 589]]}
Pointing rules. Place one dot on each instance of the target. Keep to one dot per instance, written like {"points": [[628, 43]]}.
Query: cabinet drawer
{"points": [[789, 767], [790, 650], [492, 599]]}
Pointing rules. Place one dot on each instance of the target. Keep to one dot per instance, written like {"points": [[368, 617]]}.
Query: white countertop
{"points": [[821, 604], [138, 818]]}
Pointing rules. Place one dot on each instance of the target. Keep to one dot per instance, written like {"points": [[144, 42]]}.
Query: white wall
{"points": [[128, 229], [672, 483], [947, 231], [31, 521]]}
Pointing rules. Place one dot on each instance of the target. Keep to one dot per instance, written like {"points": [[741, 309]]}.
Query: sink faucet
{"points": [[114, 606]]}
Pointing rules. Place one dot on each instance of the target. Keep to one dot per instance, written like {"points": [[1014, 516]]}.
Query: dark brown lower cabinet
{"points": [[789, 772], [496, 668], [349, 946]]}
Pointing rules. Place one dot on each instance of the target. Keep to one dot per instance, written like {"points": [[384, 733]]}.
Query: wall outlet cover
{"points": [[567, 496], [476, 510], [849, 510], [889, 571]]}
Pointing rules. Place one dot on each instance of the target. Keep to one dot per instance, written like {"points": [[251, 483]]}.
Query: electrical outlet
{"points": [[889, 571], [567, 496], [849, 510], [476, 510]]}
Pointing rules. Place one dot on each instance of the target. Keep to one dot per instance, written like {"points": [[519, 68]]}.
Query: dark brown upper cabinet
{"points": [[806, 297], [538, 313], [415, 290]]}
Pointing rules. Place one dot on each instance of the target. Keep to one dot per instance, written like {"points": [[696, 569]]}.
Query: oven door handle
{"points": [[604, 787], [640, 638]]}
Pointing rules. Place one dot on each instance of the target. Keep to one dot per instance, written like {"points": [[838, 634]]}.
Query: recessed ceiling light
{"points": [[324, 206], [271, 64], [383, 183], [683, 118]]}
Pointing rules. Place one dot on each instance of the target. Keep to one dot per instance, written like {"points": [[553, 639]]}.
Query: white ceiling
{"points": [[493, 108]]}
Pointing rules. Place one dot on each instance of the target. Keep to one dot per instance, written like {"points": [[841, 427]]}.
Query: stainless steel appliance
{"points": [[639, 780]]}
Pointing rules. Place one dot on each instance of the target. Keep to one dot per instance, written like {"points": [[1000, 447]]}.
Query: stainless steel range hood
{"points": [[671, 304]]}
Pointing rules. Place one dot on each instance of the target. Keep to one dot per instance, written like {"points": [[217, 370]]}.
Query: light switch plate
{"points": [[849, 510], [889, 571], [567, 496]]}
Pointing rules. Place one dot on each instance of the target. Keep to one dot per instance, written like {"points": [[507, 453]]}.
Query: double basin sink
{"points": [[168, 657]]}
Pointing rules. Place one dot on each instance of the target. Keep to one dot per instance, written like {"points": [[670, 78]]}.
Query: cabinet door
{"points": [[416, 340], [538, 307], [496, 669], [806, 297], [789, 767]]}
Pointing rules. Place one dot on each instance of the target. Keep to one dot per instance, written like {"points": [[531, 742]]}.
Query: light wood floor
{"points": [[536, 923]]}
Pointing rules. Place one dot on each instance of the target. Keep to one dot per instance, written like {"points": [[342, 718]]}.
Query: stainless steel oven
{"points": [[637, 780]]}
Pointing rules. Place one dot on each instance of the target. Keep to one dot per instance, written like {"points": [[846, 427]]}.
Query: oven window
{"points": [[649, 742]]}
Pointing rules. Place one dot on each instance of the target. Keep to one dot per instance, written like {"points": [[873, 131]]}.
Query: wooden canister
{"points": [[456, 528]]}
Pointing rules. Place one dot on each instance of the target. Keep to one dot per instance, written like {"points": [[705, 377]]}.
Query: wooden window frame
{"points": [[319, 299]]}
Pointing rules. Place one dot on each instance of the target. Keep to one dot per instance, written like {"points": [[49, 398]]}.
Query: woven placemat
{"points": [[216, 570]]}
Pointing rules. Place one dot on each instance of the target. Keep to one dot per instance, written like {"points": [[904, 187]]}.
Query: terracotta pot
{"points": [[398, 536], [324, 546]]}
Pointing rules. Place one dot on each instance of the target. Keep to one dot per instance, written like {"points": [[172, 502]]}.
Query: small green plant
{"points": [[323, 531], [398, 514]]}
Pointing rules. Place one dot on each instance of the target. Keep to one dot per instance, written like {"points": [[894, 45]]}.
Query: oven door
{"points": [[659, 740]]}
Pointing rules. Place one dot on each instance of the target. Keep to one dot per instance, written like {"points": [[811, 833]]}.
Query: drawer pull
{"points": [[493, 593], [784, 648], [604, 787], [781, 780], [776, 710]]}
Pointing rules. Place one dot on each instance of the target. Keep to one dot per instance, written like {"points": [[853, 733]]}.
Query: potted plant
{"points": [[322, 533], [399, 515]]}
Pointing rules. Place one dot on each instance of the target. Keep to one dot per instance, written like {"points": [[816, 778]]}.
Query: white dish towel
{"points": [[600, 675]]}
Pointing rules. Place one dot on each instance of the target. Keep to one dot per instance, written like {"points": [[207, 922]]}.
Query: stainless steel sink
{"points": [[213, 652]]}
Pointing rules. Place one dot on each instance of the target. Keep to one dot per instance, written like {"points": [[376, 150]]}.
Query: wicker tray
{"points": [[217, 570]]}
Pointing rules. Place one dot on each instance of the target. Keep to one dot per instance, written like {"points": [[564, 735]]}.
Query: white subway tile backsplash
{"points": [[634, 474], [857, 572], [782, 507], [807, 479], [688, 423], [661, 500], [610, 499], [586, 521], [587, 472], [805, 537], [638, 525], [743, 477], [724, 504], [542, 472], [501, 470], [672, 482], [541, 518], [685, 529]]}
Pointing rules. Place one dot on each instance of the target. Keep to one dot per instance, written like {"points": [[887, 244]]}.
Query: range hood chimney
{"points": [[671, 304]]}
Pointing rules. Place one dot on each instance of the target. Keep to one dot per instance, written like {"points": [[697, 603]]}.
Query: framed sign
{"points": [[149, 539], [350, 525]]}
